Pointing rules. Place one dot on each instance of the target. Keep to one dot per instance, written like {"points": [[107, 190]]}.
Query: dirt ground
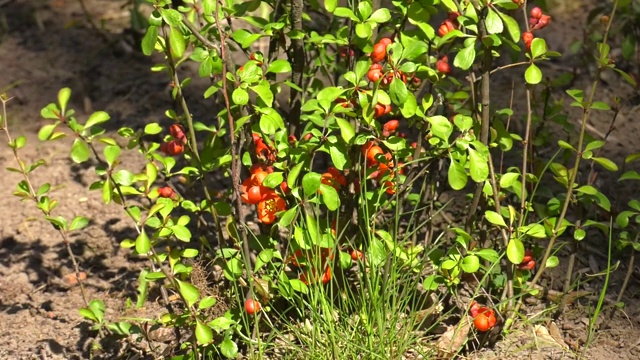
{"points": [[45, 45]]}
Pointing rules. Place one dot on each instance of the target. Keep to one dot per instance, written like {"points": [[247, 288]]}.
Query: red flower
{"points": [[166, 192], [483, 318], [334, 178], [264, 152], [268, 207], [173, 147], [177, 131], [252, 190]]}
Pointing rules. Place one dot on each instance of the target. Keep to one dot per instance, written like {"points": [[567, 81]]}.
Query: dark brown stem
{"points": [[235, 163], [297, 47]]}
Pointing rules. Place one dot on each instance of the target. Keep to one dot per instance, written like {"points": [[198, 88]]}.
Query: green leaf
{"points": [[79, 151], [46, 131], [345, 13], [229, 348], [221, 324], [579, 234], [244, 37], [507, 180], [204, 334], [515, 251], [171, 16], [111, 153], [538, 47], [143, 244], [293, 175], [381, 15], [188, 291], [78, 223], [600, 105], [493, 22], [279, 66], [552, 262], [232, 269], [630, 175], [365, 9], [207, 302], [270, 121], [152, 129], [456, 175], [87, 314], [181, 232], [299, 286], [287, 218], [96, 118], [19, 142], [346, 129], [240, 96], [413, 48], [409, 107], [512, 27], [377, 252], [177, 42], [330, 197], [330, 5], [441, 127], [263, 258], [470, 264], [606, 163], [565, 145], [274, 179], [451, 6], [398, 91], [587, 189], [533, 230], [263, 89], [495, 218], [63, 99], [533, 75], [143, 288], [338, 157], [311, 183], [465, 57], [478, 166], [97, 307], [363, 30], [328, 95], [488, 254], [123, 177], [149, 40], [395, 143]]}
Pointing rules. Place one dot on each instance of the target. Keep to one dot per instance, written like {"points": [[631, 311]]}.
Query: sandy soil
{"points": [[43, 47]]}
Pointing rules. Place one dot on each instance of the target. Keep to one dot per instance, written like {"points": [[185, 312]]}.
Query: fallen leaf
{"points": [[72, 280], [454, 338]]}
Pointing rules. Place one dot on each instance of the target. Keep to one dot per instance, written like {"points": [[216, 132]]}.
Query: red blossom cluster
{"points": [[175, 146], [385, 170], [451, 23], [484, 318]]}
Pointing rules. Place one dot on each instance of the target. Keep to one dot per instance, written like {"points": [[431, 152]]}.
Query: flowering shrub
{"points": [[385, 112]]}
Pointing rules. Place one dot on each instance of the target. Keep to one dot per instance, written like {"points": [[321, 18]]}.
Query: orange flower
{"points": [[308, 280], [268, 207], [252, 190], [328, 179], [337, 176], [264, 152]]}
